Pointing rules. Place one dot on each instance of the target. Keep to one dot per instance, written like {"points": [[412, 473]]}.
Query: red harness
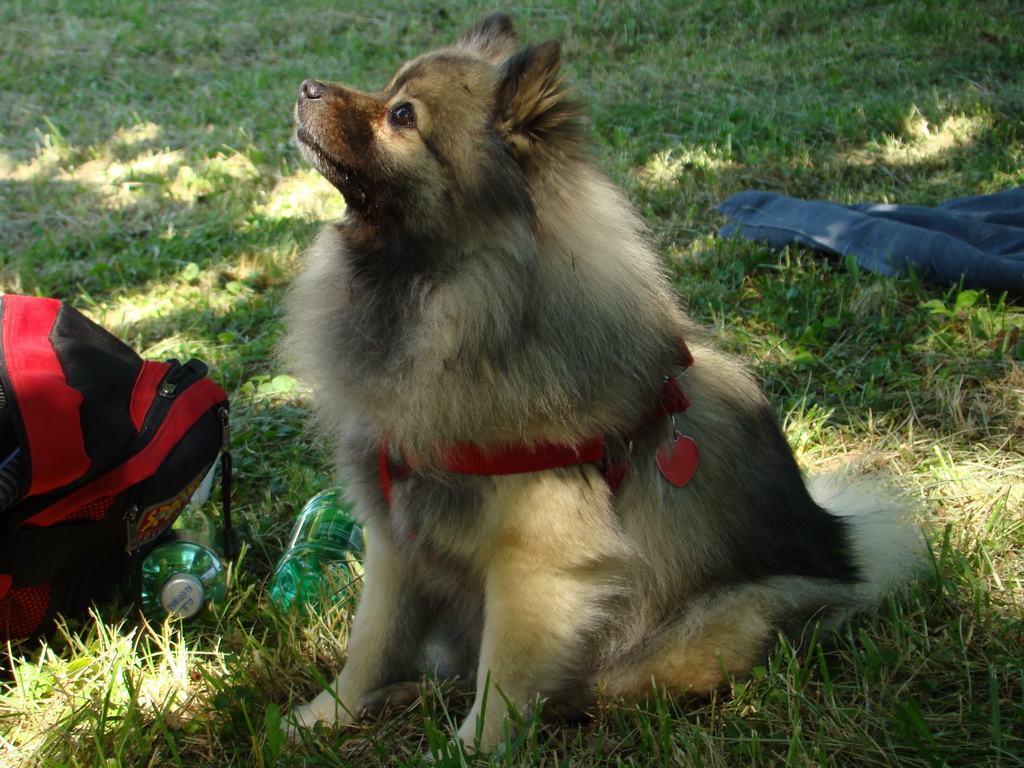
{"points": [[513, 459]]}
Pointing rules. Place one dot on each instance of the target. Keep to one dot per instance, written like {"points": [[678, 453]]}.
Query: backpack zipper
{"points": [[178, 376]]}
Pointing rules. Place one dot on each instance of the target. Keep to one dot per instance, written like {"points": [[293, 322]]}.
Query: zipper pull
{"points": [[192, 369]]}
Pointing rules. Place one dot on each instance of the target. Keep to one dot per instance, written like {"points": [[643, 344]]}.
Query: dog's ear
{"points": [[493, 37], [532, 102]]}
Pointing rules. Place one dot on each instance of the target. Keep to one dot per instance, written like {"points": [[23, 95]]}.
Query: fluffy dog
{"points": [[567, 493]]}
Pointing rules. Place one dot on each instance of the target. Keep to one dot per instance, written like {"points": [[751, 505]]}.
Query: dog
{"points": [[568, 491]]}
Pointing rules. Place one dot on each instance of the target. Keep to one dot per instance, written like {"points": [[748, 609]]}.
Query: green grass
{"points": [[146, 175]]}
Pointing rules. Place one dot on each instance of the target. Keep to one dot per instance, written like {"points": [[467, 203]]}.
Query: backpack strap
{"points": [[230, 543]]}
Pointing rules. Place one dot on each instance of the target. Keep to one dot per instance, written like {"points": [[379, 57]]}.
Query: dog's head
{"points": [[454, 135]]}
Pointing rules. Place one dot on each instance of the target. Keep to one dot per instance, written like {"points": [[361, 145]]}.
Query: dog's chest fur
{"points": [[443, 525]]}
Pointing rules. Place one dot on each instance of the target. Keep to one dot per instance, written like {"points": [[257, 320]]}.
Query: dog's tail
{"points": [[889, 547]]}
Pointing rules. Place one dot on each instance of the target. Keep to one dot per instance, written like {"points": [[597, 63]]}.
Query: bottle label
{"points": [[343, 534]]}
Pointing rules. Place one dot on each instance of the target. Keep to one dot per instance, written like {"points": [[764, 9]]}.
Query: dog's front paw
{"points": [[325, 709], [489, 736]]}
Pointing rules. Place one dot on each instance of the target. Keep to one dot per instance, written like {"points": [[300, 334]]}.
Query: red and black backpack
{"points": [[99, 452]]}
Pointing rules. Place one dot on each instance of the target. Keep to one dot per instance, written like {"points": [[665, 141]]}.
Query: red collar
{"points": [[512, 459]]}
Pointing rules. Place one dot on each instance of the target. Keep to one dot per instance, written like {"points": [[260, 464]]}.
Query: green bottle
{"points": [[185, 572], [321, 558]]}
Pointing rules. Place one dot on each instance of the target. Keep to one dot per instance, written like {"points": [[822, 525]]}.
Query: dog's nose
{"points": [[311, 89]]}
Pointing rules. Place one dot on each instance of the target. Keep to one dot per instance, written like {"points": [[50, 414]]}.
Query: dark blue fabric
{"points": [[979, 240]]}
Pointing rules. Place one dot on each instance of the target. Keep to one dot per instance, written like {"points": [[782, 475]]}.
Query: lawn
{"points": [[147, 176]]}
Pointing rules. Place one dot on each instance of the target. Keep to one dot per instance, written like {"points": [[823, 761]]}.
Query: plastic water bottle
{"points": [[321, 558], [185, 572]]}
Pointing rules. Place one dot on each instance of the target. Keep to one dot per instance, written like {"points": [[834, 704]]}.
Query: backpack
{"points": [[99, 452]]}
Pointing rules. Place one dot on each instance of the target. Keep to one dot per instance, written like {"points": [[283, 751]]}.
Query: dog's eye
{"points": [[403, 115]]}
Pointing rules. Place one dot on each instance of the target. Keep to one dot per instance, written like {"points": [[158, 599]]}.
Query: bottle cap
{"points": [[182, 596]]}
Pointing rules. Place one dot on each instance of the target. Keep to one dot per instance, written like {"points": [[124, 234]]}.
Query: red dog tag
{"points": [[678, 460]]}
